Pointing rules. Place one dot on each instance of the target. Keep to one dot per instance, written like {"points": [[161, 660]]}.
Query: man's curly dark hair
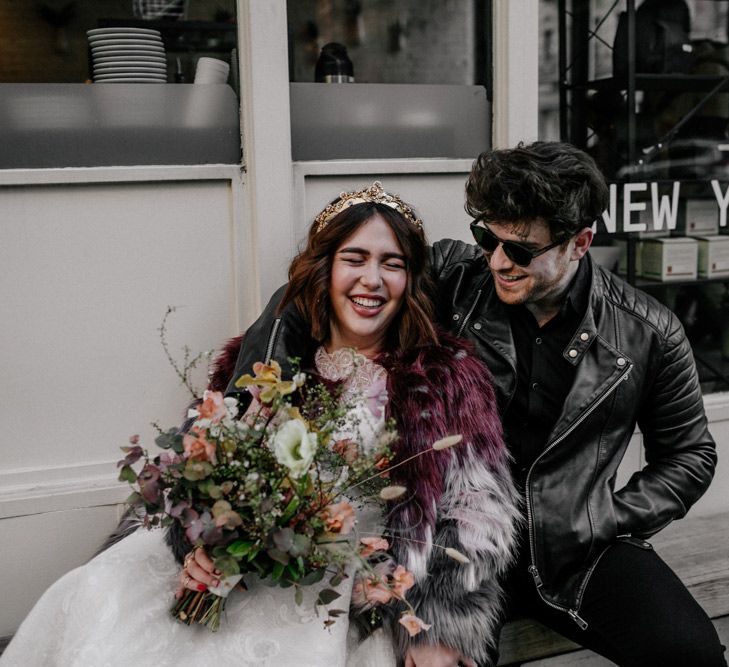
{"points": [[546, 179]]}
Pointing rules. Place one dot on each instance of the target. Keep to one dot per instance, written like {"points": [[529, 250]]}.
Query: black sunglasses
{"points": [[516, 252]]}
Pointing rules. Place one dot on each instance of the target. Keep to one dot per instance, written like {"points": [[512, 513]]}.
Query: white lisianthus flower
{"points": [[231, 404], [294, 447]]}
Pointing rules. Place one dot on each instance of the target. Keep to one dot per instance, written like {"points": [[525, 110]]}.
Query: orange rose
{"points": [[197, 448], [402, 580], [212, 407], [339, 518]]}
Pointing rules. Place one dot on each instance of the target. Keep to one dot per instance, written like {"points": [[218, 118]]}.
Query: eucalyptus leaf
{"points": [[299, 596], [283, 539], [278, 569], [134, 499], [313, 577], [171, 439], [127, 474], [227, 565], [327, 595], [301, 545], [279, 556]]}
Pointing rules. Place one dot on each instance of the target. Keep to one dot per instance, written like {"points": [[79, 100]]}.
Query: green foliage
{"points": [[127, 474]]}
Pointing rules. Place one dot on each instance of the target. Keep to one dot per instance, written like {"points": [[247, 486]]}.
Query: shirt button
{"points": [[621, 362], [572, 353], [477, 326], [584, 335], [538, 341], [456, 317]]}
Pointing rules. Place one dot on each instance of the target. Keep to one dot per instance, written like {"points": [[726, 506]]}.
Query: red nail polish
{"points": [[201, 587]]}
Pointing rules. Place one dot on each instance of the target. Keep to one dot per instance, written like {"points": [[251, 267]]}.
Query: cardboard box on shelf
{"points": [[622, 245], [713, 256], [701, 218], [668, 259]]}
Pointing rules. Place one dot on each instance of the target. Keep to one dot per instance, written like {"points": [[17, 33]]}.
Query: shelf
{"points": [[185, 36], [647, 283], [664, 82]]}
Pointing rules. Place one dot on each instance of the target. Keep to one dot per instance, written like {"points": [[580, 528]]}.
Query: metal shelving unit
{"points": [[577, 31]]}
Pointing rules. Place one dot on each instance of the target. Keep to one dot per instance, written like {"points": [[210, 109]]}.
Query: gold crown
{"points": [[373, 194]]}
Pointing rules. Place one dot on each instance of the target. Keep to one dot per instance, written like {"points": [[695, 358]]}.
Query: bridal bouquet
{"points": [[271, 492]]}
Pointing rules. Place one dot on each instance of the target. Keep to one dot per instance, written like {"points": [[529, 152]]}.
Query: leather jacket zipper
{"points": [[533, 570], [469, 313], [272, 339]]}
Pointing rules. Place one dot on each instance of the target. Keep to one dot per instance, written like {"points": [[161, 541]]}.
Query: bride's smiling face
{"points": [[367, 287]]}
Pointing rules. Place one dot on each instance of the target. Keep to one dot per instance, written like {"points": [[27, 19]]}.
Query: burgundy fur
{"points": [[434, 392], [225, 365]]}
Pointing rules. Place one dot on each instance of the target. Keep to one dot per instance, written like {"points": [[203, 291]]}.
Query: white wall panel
{"points": [[87, 274], [38, 549]]}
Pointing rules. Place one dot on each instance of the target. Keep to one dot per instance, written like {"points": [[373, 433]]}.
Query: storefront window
{"points": [[433, 56], [48, 55], [644, 87], [407, 41], [46, 42]]}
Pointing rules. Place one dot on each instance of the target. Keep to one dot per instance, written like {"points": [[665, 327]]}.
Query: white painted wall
{"points": [[88, 270], [436, 188], [516, 72]]}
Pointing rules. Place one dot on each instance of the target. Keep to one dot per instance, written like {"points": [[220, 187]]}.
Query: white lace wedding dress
{"points": [[115, 610]]}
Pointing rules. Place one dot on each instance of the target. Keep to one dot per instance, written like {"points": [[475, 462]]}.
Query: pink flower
{"points": [[212, 407], [339, 518], [371, 591], [413, 624], [168, 458], [402, 580], [371, 544], [197, 447]]}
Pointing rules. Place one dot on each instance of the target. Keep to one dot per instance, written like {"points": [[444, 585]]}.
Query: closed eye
{"points": [[398, 266]]}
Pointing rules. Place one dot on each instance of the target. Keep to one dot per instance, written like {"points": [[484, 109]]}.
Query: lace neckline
{"points": [[356, 372]]}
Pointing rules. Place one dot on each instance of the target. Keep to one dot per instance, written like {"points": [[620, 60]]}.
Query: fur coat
{"points": [[462, 497]]}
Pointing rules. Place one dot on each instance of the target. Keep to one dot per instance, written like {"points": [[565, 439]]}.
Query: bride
{"points": [[361, 288]]}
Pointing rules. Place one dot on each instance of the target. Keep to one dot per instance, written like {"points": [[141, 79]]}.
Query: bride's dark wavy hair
{"points": [[554, 181], [310, 275]]}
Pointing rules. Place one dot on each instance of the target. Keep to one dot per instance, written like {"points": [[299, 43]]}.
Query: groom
{"points": [[579, 358]]}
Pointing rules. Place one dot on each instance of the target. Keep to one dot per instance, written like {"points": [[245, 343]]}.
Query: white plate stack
{"points": [[127, 55]]}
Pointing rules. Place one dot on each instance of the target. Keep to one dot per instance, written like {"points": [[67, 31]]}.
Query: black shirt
{"points": [[544, 377]]}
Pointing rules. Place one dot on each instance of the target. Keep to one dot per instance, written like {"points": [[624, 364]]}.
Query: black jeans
{"points": [[638, 611]]}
